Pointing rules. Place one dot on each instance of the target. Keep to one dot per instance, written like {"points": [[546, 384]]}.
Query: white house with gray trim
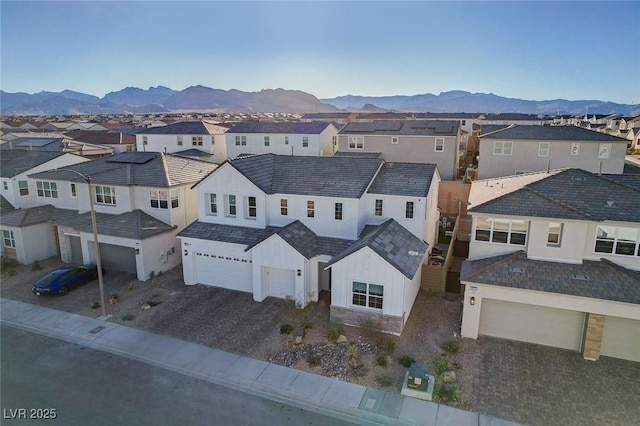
{"points": [[141, 200], [554, 259], [521, 149], [292, 226]]}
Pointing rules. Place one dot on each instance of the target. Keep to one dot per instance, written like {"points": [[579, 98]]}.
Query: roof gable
{"points": [[407, 179]]}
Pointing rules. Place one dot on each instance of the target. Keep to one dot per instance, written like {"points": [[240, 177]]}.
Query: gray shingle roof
{"points": [[607, 280], [570, 194], [546, 133], [226, 233], [285, 127], [14, 162], [403, 127], [179, 128], [5, 206], [136, 224], [31, 216], [361, 154], [395, 244], [408, 179], [162, 171], [315, 176]]}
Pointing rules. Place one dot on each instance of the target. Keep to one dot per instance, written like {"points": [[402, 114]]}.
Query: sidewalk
{"points": [[330, 397]]}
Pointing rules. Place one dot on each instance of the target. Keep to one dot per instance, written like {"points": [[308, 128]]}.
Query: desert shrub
{"points": [[114, 296], [451, 346], [384, 380], [406, 361], [153, 303], [313, 360], [132, 286], [95, 305], [381, 360], [352, 352], [286, 329], [389, 345], [332, 332], [443, 365], [358, 373]]}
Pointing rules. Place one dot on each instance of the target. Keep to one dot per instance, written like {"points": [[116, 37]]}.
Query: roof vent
{"points": [[516, 269], [610, 204], [580, 277], [578, 178]]}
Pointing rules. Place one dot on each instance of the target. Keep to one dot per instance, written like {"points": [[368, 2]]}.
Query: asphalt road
{"points": [[43, 377]]}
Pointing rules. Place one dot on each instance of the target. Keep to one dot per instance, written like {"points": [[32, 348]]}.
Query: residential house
{"points": [[339, 118], [513, 118], [53, 143], [283, 138], [433, 142], [118, 142], [142, 200], [204, 136], [521, 149], [466, 120], [292, 226], [554, 259]]}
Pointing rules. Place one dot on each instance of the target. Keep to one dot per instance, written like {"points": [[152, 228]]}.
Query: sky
{"points": [[531, 50]]}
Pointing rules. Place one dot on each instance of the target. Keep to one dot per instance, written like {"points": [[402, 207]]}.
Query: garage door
{"points": [[225, 271], [621, 338], [280, 282], [117, 258], [535, 324]]}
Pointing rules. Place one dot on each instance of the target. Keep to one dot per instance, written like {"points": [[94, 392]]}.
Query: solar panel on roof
{"points": [[36, 142], [388, 126], [132, 157]]}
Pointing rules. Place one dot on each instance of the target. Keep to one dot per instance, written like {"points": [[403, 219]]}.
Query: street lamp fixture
{"points": [[96, 245]]}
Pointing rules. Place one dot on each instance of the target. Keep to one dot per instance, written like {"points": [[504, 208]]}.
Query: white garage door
{"points": [[621, 338], [230, 272], [535, 324], [280, 282]]}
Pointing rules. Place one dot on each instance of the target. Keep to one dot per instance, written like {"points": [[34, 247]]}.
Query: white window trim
{"points": [[355, 142], [604, 151], [7, 235], [313, 203], [249, 207], [549, 233], [228, 205], [615, 242], [543, 152], [53, 193], [267, 141], [159, 199], [413, 210], [502, 145], [335, 211], [394, 140], [179, 140], [20, 189], [210, 212], [73, 190], [575, 149], [367, 297], [284, 207], [509, 232], [439, 142], [112, 189], [305, 141], [375, 207]]}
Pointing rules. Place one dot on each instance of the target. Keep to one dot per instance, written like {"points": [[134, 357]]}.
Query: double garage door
{"points": [[621, 338], [535, 324], [226, 271]]}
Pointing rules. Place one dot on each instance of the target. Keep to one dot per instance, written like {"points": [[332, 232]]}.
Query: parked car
{"points": [[62, 280]]}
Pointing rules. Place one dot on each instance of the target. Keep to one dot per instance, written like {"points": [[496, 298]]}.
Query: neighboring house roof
{"points": [[513, 116], [197, 154], [443, 115], [341, 177], [490, 128], [631, 169], [606, 280], [395, 244], [361, 154], [152, 169], [403, 127], [570, 194], [16, 161], [285, 127], [5, 206], [135, 224], [326, 115], [226, 233], [105, 138], [546, 133], [407, 179], [179, 128]]}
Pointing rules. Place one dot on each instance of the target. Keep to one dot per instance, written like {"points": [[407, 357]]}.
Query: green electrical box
{"points": [[418, 377]]}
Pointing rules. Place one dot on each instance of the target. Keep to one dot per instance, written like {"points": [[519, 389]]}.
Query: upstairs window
{"points": [[439, 145], [604, 151], [241, 140], [554, 235], [267, 141], [196, 140], [158, 199], [337, 211], [5, 185], [617, 240], [23, 187], [175, 199], [543, 149], [394, 140], [213, 204], [502, 231], [179, 140], [145, 141], [378, 208], [286, 140], [502, 148], [311, 208], [47, 189], [252, 209], [105, 195], [305, 141], [356, 142], [284, 207], [408, 210], [334, 140], [231, 205], [73, 190]]}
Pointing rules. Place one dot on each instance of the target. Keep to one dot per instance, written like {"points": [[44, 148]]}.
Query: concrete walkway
{"points": [[331, 397]]}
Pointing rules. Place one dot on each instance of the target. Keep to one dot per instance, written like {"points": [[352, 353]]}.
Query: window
{"points": [[196, 140], [179, 140], [604, 151], [286, 140], [267, 141], [369, 295], [252, 209], [8, 240], [502, 148], [394, 140], [575, 148], [105, 194], [356, 142], [5, 185], [554, 236], [408, 210], [175, 199], [378, 208], [47, 189], [311, 208], [23, 187], [334, 140], [338, 211], [284, 208], [158, 199], [305, 141], [213, 140], [617, 240], [439, 145], [231, 205], [464, 122], [144, 140], [502, 231], [543, 149], [241, 140], [213, 204], [73, 190]]}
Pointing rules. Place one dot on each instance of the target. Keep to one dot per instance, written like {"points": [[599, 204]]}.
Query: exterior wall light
{"points": [[186, 253], [137, 251], [472, 301], [299, 272]]}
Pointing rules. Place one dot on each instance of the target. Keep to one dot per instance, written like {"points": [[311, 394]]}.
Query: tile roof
{"points": [[403, 127], [136, 224], [360, 154], [395, 244], [179, 128], [226, 233], [105, 138], [607, 280], [5, 206], [33, 215], [570, 194], [341, 177], [160, 171], [546, 133], [484, 190], [284, 127], [407, 179], [14, 162]]}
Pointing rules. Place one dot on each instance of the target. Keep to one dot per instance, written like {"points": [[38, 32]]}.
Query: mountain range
{"points": [[201, 98]]}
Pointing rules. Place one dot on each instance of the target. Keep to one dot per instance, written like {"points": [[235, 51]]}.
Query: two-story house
{"points": [[283, 138], [141, 201], [432, 142], [292, 226], [204, 136], [554, 259], [521, 149]]}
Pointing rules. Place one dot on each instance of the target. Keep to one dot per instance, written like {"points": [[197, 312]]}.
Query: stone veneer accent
{"points": [[387, 323], [593, 337]]}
